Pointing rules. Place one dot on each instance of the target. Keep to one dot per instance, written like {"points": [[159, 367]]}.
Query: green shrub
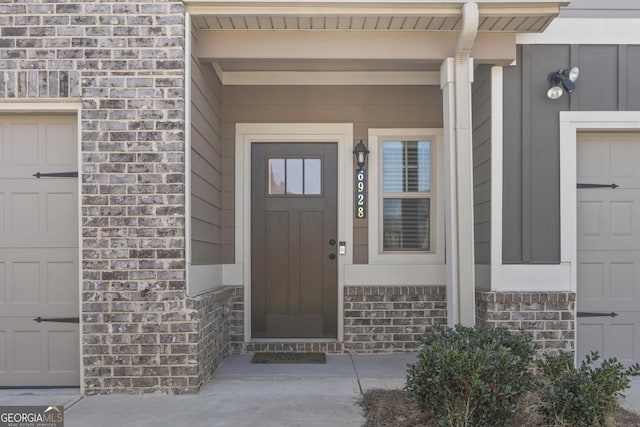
{"points": [[581, 396], [470, 376]]}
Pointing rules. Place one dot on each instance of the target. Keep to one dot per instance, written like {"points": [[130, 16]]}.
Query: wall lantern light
{"points": [[562, 80], [360, 153]]}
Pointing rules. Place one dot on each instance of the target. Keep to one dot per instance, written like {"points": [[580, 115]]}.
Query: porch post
{"points": [[456, 78]]}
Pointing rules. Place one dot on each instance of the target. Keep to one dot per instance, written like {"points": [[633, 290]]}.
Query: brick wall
{"points": [[390, 318], [547, 316], [124, 61], [214, 335]]}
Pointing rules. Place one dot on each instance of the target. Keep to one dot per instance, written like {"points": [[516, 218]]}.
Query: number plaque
{"points": [[361, 194]]}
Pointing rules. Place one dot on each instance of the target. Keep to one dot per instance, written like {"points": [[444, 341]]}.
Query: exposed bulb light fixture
{"points": [[561, 81]]}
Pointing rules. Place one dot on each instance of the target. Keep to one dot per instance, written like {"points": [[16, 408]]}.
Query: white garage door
{"points": [[38, 252], [608, 300]]}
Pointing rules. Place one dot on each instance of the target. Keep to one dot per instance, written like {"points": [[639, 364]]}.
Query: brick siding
{"points": [[382, 319], [547, 316], [125, 62]]}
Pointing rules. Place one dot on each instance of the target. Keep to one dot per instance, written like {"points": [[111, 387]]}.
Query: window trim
{"points": [[376, 253]]}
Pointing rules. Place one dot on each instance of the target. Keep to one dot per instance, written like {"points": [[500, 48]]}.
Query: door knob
{"points": [[332, 256], [332, 242]]}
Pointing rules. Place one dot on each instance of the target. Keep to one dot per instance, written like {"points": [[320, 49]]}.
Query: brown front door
{"points": [[294, 244]]}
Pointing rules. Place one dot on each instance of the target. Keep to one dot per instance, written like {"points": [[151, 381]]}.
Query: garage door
{"points": [[608, 300], [38, 252]]}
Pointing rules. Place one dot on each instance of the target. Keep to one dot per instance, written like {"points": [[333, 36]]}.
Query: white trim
{"points": [[343, 78], [42, 105], [497, 111], [395, 275], [376, 256], [526, 277], [586, 31], [248, 133], [187, 157]]}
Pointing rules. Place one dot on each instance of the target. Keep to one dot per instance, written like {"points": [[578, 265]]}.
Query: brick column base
{"points": [[548, 316], [215, 315]]}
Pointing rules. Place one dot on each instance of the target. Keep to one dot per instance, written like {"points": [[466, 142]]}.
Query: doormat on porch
{"points": [[311, 357]]}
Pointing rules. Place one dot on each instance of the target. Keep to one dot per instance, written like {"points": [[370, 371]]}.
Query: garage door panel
{"points": [[26, 350], [3, 354], [61, 145], [23, 219], [39, 268], [26, 280], [24, 142], [591, 337], [59, 342], [592, 278], [622, 278], [623, 341], [39, 282], [608, 280], [42, 214], [609, 246], [59, 276], [609, 219]]}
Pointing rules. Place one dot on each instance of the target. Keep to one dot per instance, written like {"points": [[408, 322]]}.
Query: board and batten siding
{"points": [[531, 164], [601, 9], [364, 106], [481, 108], [206, 167]]}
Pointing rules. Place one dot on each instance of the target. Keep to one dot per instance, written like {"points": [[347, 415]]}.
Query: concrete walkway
{"points": [[244, 394], [240, 394]]}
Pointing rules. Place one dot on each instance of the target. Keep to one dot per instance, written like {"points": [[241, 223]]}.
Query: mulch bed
{"points": [[394, 408]]}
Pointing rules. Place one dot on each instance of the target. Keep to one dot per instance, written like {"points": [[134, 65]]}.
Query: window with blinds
{"points": [[406, 195]]}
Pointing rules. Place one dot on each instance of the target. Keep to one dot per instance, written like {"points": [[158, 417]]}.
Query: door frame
{"points": [[340, 134], [571, 124], [66, 107]]}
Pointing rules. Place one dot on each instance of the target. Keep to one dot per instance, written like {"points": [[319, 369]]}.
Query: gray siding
{"points": [[601, 9], [206, 169], [364, 106], [531, 192], [481, 105]]}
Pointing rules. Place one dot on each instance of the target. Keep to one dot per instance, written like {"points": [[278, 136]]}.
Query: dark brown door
{"points": [[294, 266]]}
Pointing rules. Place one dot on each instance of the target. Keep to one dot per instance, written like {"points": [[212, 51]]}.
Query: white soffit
{"points": [[424, 15]]}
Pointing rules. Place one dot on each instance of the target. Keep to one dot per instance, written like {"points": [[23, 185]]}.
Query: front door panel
{"points": [[293, 240]]}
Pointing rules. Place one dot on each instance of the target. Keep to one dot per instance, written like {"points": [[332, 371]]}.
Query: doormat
{"points": [[312, 357]]}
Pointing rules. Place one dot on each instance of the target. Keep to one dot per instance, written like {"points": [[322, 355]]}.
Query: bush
{"points": [[471, 376], [581, 396]]}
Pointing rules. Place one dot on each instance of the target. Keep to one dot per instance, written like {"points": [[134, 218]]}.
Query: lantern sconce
{"points": [[360, 153]]}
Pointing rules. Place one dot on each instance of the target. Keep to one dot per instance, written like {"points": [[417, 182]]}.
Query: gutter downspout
{"points": [[461, 262]]}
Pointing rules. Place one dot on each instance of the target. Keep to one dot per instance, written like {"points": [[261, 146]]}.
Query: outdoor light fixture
{"points": [[360, 152], [562, 80]]}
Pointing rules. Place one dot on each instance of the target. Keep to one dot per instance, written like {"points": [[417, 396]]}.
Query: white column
{"points": [[456, 79]]}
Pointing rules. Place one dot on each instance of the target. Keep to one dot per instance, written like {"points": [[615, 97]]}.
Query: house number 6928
{"points": [[361, 194]]}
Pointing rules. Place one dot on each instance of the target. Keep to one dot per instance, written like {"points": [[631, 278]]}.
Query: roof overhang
{"points": [[408, 15], [409, 36]]}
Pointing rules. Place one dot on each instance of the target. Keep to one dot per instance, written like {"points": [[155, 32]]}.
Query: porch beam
{"points": [[494, 48]]}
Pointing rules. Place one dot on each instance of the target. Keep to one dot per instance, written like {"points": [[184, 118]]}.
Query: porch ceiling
{"points": [[351, 36], [417, 15]]}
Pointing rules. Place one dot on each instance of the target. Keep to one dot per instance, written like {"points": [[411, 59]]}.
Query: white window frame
{"points": [[376, 254]]}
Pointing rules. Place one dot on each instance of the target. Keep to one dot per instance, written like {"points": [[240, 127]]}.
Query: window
{"points": [[295, 176], [406, 208], [406, 195]]}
